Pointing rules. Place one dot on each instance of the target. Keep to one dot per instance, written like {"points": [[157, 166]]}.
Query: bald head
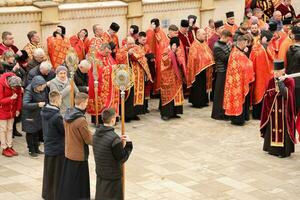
{"points": [[84, 66], [39, 55], [98, 31], [201, 35]]}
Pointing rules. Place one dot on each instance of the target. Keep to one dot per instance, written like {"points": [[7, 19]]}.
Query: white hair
{"points": [[39, 52], [85, 64], [46, 65]]}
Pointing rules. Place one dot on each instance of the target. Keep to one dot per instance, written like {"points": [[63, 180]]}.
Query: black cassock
{"points": [[217, 111], [198, 96]]}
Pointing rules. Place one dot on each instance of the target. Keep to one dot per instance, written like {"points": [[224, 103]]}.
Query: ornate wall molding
{"points": [[24, 14], [92, 10], [170, 5]]}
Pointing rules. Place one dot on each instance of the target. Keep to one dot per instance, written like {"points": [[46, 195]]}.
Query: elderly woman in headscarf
{"points": [[62, 84]]}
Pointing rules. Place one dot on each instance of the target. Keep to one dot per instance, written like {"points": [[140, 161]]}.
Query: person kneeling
{"points": [[110, 154]]}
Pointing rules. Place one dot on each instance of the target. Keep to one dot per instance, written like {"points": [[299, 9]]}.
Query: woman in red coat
{"points": [[10, 107]]}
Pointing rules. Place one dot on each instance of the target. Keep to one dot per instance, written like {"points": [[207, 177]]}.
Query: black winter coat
{"points": [[109, 153], [31, 112], [293, 62], [53, 131], [221, 54], [36, 72], [81, 81]]}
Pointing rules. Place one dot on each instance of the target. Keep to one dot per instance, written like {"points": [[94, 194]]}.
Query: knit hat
{"points": [[61, 68], [14, 81], [272, 26], [287, 21]]}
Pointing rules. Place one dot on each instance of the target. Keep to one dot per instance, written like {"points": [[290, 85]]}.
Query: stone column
{"points": [[206, 12], [135, 13], [50, 19]]}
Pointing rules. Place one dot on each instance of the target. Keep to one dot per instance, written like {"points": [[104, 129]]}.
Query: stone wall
{"points": [[45, 16]]}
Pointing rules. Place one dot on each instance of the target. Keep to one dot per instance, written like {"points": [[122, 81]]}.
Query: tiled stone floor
{"points": [[190, 158]]}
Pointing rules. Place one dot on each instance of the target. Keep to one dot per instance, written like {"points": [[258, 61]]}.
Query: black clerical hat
{"points": [[297, 36], [229, 14], [192, 17], [272, 26], [184, 23], [278, 64], [218, 23], [115, 27], [134, 29], [155, 21], [174, 40], [287, 21], [63, 30]]}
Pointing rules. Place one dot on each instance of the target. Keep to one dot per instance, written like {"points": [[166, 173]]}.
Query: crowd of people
{"points": [[238, 68]]}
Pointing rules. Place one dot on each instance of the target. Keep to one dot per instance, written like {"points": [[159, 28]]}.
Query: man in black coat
{"points": [[81, 76], [109, 156], [221, 54], [38, 57], [293, 64], [44, 70], [35, 97]]}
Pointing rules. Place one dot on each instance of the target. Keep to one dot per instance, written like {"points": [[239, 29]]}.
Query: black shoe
{"points": [[39, 152], [136, 118], [199, 106], [165, 118], [127, 119], [17, 133], [33, 154], [176, 116], [147, 111]]}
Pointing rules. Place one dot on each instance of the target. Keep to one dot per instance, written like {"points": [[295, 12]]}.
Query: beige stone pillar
{"points": [[135, 13], [50, 19], [206, 11]]}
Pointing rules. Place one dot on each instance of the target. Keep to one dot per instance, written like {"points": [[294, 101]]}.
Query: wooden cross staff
{"points": [[72, 64], [123, 80]]}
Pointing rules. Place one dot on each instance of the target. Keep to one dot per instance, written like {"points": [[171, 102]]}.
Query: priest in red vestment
{"points": [[192, 28], [184, 37], [111, 35], [286, 9], [142, 39], [275, 43], [210, 29], [171, 81], [219, 26], [100, 75], [96, 41], [134, 56], [277, 124], [80, 43], [230, 24], [8, 43], [133, 32], [157, 41], [58, 46], [199, 70], [237, 85], [263, 70]]}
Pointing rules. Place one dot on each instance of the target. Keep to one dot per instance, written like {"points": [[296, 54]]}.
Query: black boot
{"points": [[15, 131], [36, 143], [30, 144]]}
